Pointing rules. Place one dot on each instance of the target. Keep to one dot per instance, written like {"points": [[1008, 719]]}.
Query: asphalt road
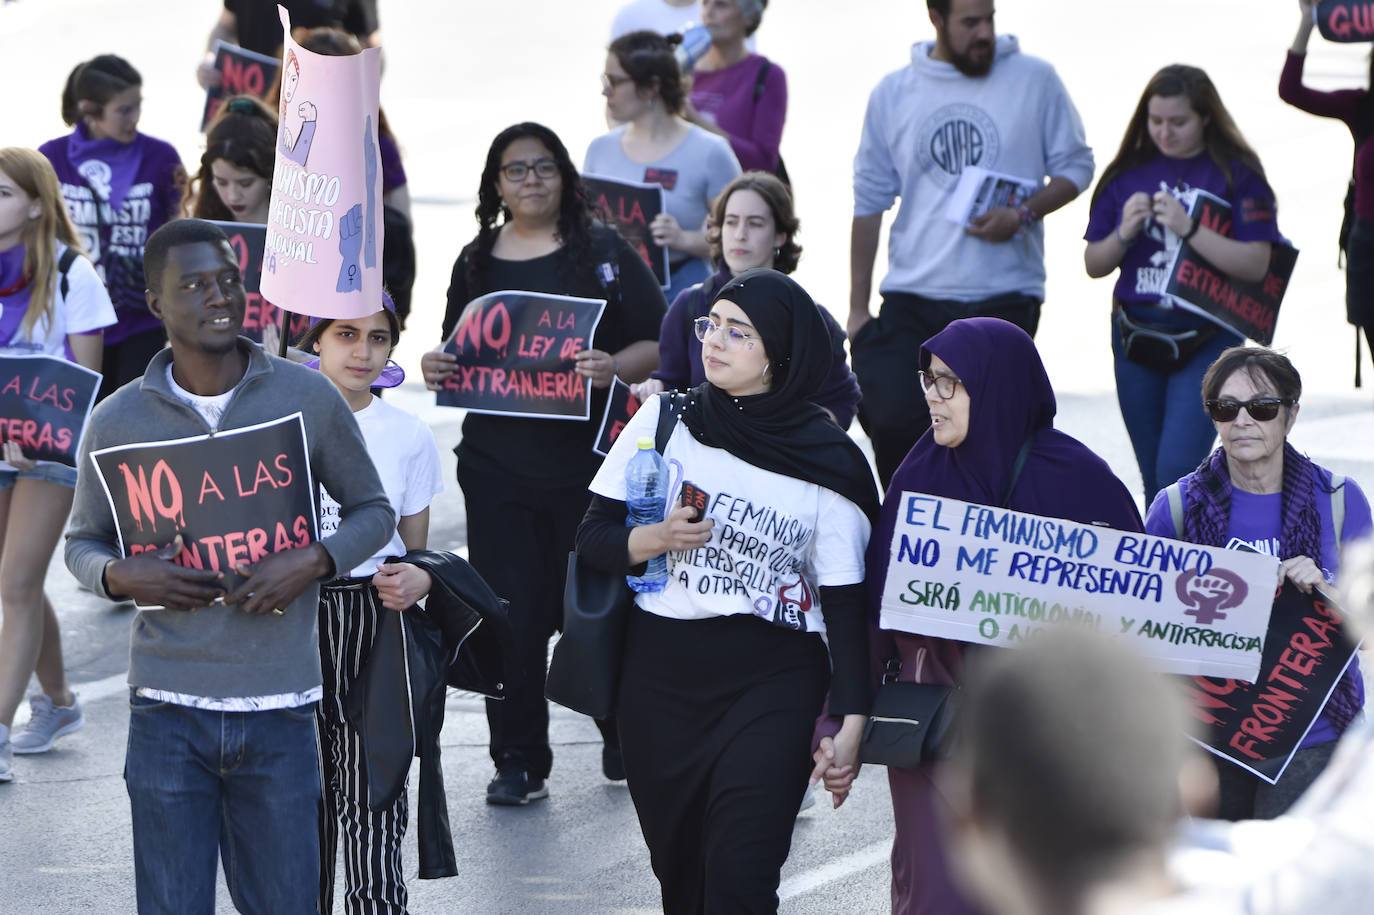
{"points": [[456, 73]]}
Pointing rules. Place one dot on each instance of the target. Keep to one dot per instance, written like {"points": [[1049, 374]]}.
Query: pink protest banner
{"points": [[324, 226]]}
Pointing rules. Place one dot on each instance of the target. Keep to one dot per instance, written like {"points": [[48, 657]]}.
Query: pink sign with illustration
{"points": [[323, 254]]}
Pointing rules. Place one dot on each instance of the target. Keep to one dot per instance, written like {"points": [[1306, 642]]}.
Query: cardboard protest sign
{"points": [[1346, 20], [620, 406], [515, 355], [630, 206], [241, 72], [234, 497], [324, 224], [1250, 309], [1259, 726], [44, 403], [993, 576], [247, 240]]}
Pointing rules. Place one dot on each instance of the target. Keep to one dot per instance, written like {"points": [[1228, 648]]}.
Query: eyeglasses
{"points": [[518, 171], [943, 385], [610, 82], [1261, 409], [734, 337]]}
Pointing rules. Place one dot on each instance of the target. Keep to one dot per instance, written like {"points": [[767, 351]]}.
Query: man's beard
{"points": [[969, 65]]}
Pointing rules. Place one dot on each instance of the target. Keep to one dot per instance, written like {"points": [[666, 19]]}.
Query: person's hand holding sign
{"points": [[14, 456], [437, 366], [154, 579], [274, 581], [1169, 212], [996, 225], [596, 366]]}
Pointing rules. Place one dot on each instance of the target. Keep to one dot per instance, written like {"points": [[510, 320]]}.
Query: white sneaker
{"points": [[47, 723], [6, 756]]}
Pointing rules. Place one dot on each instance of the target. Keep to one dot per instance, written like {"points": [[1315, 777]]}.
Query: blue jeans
{"points": [[1169, 429], [245, 783]]}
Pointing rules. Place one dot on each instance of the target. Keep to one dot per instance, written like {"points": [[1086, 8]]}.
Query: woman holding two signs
{"points": [[524, 479], [52, 303]]}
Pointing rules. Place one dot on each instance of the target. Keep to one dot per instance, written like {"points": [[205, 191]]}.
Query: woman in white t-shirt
{"points": [[724, 670], [354, 353], [52, 303]]}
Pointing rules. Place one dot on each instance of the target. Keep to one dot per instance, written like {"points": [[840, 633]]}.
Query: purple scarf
{"points": [[1207, 520], [13, 307], [108, 166]]}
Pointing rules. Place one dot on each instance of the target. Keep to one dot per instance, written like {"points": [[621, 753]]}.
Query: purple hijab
{"points": [[1010, 400]]}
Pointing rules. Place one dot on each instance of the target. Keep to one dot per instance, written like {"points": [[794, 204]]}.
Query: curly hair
{"points": [[242, 133], [574, 212], [779, 200]]}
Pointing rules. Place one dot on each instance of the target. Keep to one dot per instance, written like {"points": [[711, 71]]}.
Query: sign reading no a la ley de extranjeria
{"points": [[993, 576]]}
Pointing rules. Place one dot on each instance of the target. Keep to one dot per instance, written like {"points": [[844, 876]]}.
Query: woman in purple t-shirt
{"points": [[739, 95], [120, 185], [1259, 492], [1181, 141]]}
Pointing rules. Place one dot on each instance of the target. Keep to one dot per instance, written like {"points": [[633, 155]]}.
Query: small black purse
{"points": [[910, 723]]}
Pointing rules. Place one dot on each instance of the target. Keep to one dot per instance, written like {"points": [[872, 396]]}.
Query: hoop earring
{"points": [[766, 370]]}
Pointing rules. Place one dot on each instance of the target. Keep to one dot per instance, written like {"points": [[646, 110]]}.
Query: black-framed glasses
{"points": [[542, 168], [1261, 409], [734, 337], [943, 385], [611, 82]]}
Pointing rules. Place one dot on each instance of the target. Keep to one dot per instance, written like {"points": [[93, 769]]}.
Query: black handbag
{"points": [[584, 671], [910, 723]]}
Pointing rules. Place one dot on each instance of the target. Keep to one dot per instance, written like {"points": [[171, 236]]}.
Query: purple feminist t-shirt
{"points": [[147, 196], [1144, 269]]}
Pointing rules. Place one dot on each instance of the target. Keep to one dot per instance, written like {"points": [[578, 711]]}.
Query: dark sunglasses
{"points": [[1261, 409]]}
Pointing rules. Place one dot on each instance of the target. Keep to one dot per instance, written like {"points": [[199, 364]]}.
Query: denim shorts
{"points": [[47, 471]]}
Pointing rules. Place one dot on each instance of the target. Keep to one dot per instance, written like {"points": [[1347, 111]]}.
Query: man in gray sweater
{"points": [[222, 752]]}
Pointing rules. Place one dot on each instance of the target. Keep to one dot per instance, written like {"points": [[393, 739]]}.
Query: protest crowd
{"points": [[1082, 708]]}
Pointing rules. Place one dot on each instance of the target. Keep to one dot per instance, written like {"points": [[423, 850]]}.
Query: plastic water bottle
{"points": [[646, 493], [696, 41]]}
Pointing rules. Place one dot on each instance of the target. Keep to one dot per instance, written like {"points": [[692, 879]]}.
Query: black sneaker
{"points": [[612, 764], [514, 787]]}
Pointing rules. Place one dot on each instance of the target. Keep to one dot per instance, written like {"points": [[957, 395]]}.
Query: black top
{"points": [[259, 28], [557, 453]]}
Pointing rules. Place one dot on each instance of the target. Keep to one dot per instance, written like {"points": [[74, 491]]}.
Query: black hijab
{"points": [[780, 430]]}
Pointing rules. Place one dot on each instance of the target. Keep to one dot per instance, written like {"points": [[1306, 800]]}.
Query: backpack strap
{"points": [[667, 421], [64, 263], [1175, 496], [1338, 506], [763, 75]]}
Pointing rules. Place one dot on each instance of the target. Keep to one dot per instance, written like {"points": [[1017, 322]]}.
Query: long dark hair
{"points": [[97, 81], [574, 229], [1220, 136], [244, 134]]}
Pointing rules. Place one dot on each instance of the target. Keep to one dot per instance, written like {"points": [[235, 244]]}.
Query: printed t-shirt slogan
{"points": [[44, 404], [324, 224], [234, 497], [515, 355], [994, 576], [1260, 725]]}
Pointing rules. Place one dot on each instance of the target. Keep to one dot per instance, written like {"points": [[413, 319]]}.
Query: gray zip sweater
{"points": [[220, 651]]}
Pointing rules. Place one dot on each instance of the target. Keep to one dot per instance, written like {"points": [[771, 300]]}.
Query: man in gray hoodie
{"points": [[222, 752], [968, 98]]}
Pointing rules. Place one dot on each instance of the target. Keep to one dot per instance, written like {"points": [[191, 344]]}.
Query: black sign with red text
{"points": [[249, 239], [1250, 309], [241, 72], [1258, 726], [1346, 20], [234, 496], [620, 406], [44, 403], [516, 355], [629, 208]]}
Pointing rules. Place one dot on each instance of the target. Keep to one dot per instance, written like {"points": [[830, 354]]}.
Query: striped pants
{"points": [[349, 612]]}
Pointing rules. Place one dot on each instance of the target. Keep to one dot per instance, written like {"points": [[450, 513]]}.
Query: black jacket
{"points": [[461, 638]]}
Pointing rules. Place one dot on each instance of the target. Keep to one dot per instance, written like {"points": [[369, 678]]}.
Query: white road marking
{"points": [[852, 863]]}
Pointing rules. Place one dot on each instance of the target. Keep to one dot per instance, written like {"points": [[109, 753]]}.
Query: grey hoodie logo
{"points": [[954, 137]]}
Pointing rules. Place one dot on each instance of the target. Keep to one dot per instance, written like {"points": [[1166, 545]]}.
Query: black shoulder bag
{"points": [[584, 671], [914, 723]]}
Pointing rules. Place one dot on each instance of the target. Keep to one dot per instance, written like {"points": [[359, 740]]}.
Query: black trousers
{"points": [[376, 885], [885, 355], [715, 722], [122, 362], [519, 538]]}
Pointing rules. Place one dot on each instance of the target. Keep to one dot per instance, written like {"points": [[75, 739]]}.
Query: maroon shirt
{"points": [[1343, 104]]}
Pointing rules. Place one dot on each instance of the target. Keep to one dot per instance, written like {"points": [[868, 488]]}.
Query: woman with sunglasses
{"points": [[524, 479], [654, 145], [1258, 491], [1181, 140], [752, 224], [991, 409], [724, 669]]}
